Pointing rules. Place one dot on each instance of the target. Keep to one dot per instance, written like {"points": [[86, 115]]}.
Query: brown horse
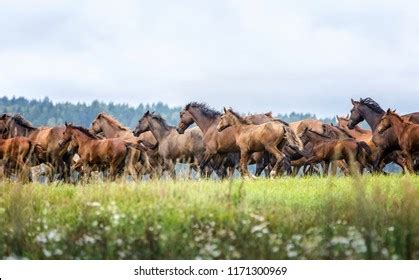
{"points": [[252, 138], [325, 149], [173, 147], [300, 126], [95, 152], [369, 110], [111, 128], [407, 135], [356, 132], [18, 153], [48, 137], [220, 147]]}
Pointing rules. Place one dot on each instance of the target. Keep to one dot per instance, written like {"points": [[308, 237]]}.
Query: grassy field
{"points": [[289, 218]]}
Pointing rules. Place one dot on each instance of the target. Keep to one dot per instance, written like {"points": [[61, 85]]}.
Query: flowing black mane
{"points": [[370, 103], [205, 109], [22, 121], [240, 118], [85, 131]]}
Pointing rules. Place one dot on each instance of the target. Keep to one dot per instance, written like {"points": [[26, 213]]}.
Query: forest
{"points": [[47, 112]]}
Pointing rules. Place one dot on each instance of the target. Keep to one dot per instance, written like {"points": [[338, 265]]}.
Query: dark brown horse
{"points": [[47, 137], [110, 153], [325, 149], [369, 110], [173, 147], [407, 134], [250, 138]]}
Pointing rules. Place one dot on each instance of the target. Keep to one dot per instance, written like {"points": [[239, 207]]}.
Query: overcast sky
{"points": [[304, 56]]}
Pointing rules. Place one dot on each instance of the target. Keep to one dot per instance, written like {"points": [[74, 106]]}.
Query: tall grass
{"points": [[371, 217]]}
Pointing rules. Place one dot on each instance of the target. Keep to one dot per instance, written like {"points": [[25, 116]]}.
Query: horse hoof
{"points": [[272, 174]]}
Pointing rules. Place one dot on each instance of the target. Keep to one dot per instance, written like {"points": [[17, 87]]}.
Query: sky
{"points": [[252, 55]]}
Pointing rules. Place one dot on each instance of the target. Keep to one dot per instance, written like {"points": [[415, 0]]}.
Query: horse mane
{"points": [[281, 121], [370, 103], [160, 119], [112, 121], [85, 131], [239, 118], [20, 120], [205, 109]]}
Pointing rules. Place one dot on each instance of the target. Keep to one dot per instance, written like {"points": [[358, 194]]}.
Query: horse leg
{"points": [[206, 160], [244, 159], [279, 156]]}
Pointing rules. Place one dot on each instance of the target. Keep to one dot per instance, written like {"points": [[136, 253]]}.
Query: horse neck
{"points": [[159, 130], [112, 132], [398, 125], [81, 138], [237, 127], [202, 121], [371, 117]]}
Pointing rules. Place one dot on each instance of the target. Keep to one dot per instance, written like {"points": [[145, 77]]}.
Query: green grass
{"points": [[290, 218]]}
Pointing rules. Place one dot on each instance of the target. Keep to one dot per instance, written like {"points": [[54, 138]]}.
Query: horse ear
{"points": [[347, 116], [147, 113], [389, 111], [225, 109], [269, 114], [353, 101], [66, 124]]}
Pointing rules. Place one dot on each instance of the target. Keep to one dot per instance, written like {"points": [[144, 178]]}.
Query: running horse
{"points": [[326, 149], [112, 153], [47, 137], [220, 147], [18, 153], [407, 134], [250, 138], [111, 128], [173, 147], [369, 110]]}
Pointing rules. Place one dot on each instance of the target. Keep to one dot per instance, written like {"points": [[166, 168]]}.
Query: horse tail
{"points": [[293, 140]]}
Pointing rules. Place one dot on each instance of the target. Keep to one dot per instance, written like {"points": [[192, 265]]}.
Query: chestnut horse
{"points": [[407, 135], [19, 152], [111, 128], [173, 147], [250, 138], [47, 137], [95, 152], [369, 110], [325, 149]]}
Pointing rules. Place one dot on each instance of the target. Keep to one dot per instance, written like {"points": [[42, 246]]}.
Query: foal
{"points": [[252, 138], [407, 135], [94, 151], [325, 149]]}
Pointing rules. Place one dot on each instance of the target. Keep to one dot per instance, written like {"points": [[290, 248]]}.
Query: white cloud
{"points": [[253, 55]]}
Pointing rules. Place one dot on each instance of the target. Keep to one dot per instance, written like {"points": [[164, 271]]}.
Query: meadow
{"points": [[369, 217]]}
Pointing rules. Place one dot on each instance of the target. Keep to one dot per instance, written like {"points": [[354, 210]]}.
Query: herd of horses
{"points": [[219, 143]]}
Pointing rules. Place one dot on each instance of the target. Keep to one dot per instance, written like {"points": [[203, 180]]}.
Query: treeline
{"points": [[45, 112]]}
